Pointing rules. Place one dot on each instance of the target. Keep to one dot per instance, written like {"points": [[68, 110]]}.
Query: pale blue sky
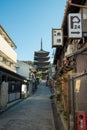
{"points": [[27, 21]]}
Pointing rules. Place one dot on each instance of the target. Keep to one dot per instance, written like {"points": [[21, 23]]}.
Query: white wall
{"points": [[23, 69], [7, 50]]}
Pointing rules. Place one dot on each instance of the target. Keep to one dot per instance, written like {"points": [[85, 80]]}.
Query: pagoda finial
{"points": [[41, 45]]}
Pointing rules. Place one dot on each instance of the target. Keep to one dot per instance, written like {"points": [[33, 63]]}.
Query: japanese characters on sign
{"points": [[74, 25], [77, 86], [57, 37]]}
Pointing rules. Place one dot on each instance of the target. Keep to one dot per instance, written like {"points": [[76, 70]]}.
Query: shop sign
{"points": [[74, 25], [57, 37]]}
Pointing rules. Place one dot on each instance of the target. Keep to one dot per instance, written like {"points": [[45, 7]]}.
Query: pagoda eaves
{"points": [[40, 59], [41, 63]]}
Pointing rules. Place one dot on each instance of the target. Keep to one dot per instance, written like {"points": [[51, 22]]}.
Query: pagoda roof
{"points": [[41, 63], [41, 53], [40, 59]]}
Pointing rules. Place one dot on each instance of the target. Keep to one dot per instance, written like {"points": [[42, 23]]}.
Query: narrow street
{"points": [[34, 113]]}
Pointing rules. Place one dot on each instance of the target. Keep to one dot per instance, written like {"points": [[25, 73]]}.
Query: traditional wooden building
{"points": [[41, 60], [71, 63]]}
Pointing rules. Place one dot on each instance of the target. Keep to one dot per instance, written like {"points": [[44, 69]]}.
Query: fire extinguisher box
{"points": [[80, 120]]}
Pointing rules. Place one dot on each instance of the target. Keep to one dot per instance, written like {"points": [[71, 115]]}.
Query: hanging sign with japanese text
{"points": [[57, 37], [74, 25]]}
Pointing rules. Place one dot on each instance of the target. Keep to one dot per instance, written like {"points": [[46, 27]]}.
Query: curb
{"points": [[58, 118], [63, 122]]}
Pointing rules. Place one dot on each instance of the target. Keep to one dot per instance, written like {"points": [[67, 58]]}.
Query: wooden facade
{"points": [[71, 60]]}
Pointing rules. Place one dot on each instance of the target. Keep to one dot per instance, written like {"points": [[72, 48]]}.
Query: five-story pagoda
{"points": [[41, 60]]}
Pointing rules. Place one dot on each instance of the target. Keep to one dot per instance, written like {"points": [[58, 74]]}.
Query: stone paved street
{"points": [[34, 113]]}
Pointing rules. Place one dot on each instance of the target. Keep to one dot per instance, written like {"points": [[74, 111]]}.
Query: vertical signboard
{"points": [[57, 37], [77, 86], [74, 25]]}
